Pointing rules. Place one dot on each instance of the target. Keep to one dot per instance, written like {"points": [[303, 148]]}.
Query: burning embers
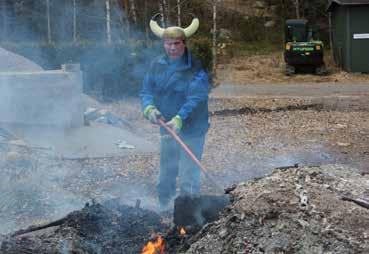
{"points": [[182, 231], [154, 247], [157, 246]]}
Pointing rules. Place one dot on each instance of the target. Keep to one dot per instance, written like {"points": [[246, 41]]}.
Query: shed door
{"points": [[359, 38]]}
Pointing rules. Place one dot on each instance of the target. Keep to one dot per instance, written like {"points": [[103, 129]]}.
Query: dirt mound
{"points": [[294, 210]]}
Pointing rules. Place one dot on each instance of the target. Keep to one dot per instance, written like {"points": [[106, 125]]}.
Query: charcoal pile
{"points": [[321, 209], [97, 228]]}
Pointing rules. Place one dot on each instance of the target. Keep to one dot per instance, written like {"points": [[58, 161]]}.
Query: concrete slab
{"points": [[42, 98], [96, 141]]}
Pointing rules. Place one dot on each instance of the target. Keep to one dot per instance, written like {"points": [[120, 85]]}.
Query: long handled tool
{"points": [[196, 209], [189, 152]]}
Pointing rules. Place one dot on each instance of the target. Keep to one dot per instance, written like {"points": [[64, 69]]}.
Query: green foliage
{"points": [[201, 47]]}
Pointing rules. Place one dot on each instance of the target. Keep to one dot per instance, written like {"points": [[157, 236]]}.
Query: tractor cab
{"points": [[297, 30], [302, 50]]}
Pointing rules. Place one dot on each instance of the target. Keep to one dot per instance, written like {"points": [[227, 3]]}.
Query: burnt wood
{"points": [[191, 210]]}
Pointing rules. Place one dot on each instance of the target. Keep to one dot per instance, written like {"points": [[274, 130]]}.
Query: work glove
{"points": [[152, 114], [175, 124]]}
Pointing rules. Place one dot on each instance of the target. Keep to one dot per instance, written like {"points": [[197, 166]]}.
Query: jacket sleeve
{"points": [[198, 92], [146, 93]]}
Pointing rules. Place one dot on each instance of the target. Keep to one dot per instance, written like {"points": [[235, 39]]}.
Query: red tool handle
{"points": [[188, 151]]}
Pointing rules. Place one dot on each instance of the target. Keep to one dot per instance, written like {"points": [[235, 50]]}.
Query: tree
{"points": [[133, 11], [297, 7], [161, 11], [48, 21], [179, 13], [108, 23], [215, 3], [74, 21], [4, 19]]}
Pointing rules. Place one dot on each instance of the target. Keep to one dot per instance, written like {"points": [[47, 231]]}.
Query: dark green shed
{"points": [[350, 34]]}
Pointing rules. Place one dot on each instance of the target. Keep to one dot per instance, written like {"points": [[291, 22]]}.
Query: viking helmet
{"points": [[174, 32]]}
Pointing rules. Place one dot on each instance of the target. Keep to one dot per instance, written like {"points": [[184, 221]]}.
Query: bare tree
{"points": [[133, 11], [179, 12], [4, 19], [108, 22], [215, 3], [146, 22], [125, 18], [167, 11], [297, 6], [48, 21], [74, 21], [161, 11]]}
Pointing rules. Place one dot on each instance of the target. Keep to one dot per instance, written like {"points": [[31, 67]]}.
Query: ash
{"points": [[296, 210], [97, 228]]}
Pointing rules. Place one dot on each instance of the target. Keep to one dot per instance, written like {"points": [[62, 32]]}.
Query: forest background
{"points": [[112, 41]]}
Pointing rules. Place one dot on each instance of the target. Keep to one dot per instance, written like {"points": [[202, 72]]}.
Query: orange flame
{"points": [[182, 231], [154, 247]]}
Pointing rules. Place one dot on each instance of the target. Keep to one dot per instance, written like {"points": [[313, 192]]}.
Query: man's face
{"points": [[174, 48]]}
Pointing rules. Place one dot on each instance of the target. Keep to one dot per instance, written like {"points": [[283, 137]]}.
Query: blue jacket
{"points": [[179, 88]]}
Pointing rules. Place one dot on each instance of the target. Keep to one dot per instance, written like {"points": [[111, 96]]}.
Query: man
{"points": [[175, 89]]}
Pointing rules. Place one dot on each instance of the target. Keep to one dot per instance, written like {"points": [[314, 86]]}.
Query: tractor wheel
{"points": [[290, 70], [321, 70]]}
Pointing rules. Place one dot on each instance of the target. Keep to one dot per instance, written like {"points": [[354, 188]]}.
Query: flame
{"points": [[182, 231], [154, 247]]}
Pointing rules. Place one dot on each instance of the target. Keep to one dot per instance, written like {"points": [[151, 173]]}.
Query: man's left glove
{"points": [[175, 124]]}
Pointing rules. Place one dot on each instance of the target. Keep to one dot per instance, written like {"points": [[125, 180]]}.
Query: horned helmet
{"points": [[174, 32]]}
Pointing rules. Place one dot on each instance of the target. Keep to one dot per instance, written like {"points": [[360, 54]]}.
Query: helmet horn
{"points": [[154, 26], [192, 28]]}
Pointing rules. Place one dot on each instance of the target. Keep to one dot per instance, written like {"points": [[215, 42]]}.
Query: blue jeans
{"points": [[174, 162]]}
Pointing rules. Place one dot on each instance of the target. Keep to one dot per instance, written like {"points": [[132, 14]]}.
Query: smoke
{"points": [[260, 161], [33, 186]]}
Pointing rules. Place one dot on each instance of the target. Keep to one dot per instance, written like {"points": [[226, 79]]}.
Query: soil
{"points": [[269, 69]]}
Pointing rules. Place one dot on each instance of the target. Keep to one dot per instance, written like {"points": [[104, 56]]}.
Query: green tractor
{"points": [[301, 50]]}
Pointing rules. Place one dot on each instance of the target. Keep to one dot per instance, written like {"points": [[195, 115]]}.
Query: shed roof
{"points": [[333, 3]]}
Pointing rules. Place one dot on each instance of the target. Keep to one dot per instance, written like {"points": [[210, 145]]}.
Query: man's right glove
{"points": [[152, 114]]}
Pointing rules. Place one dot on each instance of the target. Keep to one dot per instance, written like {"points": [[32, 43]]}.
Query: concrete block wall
{"points": [[50, 98]]}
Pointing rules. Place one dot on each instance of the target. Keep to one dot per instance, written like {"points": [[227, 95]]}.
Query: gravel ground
{"points": [[240, 145]]}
